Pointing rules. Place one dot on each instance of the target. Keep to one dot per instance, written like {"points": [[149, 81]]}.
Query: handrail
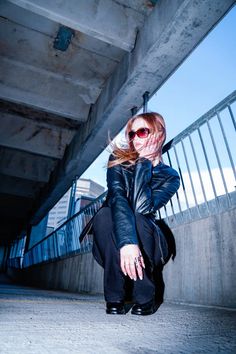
{"points": [[225, 103], [80, 212]]}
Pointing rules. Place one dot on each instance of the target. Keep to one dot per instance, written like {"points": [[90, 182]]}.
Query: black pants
{"points": [[117, 286]]}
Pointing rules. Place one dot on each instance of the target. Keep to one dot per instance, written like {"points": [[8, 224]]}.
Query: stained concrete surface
{"points": [[44, 321]]}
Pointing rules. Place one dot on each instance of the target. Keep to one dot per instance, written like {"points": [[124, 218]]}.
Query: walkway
{"points": [[43, 321]]}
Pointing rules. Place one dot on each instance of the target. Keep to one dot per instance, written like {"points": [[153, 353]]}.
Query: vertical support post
{"points": [[199, 173], [226, 144], [208, 167], [71, 208], [145, 101], [190, 176], [182, 180], [177, 195], [232, 116], [134, 110], [218, 160]]}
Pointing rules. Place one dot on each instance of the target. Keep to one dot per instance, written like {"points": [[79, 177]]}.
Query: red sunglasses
{"points": [[141, 133]]}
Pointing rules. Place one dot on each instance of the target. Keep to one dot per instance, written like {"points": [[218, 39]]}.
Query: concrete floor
{"points": [[43, 321]]}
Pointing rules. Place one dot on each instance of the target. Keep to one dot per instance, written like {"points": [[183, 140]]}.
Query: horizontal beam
{"points": [[18, 187], [19, 15], [36, 26], [39, 116], [25, 165], [27, 135], [169, 35], [14, 207], [14, 214], [75, 66], [105, 20], [26, 84], [9, 229]]}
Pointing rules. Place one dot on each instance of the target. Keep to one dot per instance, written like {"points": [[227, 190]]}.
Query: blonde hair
{"points": [[129, 155]]}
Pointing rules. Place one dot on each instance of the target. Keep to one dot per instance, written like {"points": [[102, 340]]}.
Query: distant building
{"points": [[86, 191], [59, 211], [87, 187]]}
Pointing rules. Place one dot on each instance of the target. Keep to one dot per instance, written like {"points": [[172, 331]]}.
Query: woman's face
{"points": [[139, 142]]}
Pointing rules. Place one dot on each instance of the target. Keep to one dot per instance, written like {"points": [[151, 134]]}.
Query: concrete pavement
{"points": [[43, 321]]}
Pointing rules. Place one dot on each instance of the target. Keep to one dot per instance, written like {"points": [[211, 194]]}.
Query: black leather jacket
{"points": [[141, 188]]}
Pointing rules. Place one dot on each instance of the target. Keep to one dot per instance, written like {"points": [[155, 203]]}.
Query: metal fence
{"points": [[203, 155], [16, 256], [64, 241]]}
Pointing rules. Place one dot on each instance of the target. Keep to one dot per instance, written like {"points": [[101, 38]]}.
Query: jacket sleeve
{"points": [[149, 200], [122, 214]]}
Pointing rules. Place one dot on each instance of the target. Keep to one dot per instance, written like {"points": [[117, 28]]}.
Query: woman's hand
{"points": [[150, 147], [131, 261]]}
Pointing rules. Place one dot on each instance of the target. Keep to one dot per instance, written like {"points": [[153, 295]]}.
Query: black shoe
{"points": [[148, 308], [115, 308]]}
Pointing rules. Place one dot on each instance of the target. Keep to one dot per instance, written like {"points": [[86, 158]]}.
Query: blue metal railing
{"points": [[202, 154], [64, 241], [16, 256]]}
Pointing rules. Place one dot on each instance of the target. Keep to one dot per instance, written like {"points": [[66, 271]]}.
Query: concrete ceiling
{"points": [[57, 106]]}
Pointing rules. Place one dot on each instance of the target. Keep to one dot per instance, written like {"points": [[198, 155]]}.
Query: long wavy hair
{"points": [[126, 154]]}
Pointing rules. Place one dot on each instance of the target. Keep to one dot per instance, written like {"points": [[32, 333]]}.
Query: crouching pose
{"points": [[128, 243]]}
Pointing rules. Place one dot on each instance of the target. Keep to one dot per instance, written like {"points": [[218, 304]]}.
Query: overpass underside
{"points": [[69, 72]]}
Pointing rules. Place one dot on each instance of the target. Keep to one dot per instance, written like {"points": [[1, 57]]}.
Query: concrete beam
{"points": [[19, 187], [39, 117], [10, 228], [13, 15], [27, 19], [38, 88], [14, 213], [75, 65], [19, 207], [169, 35], [105, 20], [25, 165], [27, 135]]}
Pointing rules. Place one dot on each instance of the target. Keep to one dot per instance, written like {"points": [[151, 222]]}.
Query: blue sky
{"points": [[206, 77]]}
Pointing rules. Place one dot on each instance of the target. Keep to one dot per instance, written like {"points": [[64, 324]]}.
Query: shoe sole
{"points": [[109, 312], [140, 313]]}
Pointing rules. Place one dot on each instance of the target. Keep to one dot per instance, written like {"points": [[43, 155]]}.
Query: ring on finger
{"points": [[140, 256]]}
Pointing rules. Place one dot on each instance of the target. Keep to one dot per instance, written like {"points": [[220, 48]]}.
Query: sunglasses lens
{"points": [[131, 135], [143, 132]]}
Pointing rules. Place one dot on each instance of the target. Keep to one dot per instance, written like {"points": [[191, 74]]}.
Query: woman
{"points": [[127, 241]]}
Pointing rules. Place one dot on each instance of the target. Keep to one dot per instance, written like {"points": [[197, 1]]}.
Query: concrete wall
{"points": [[77, 274], [202, 273], [204, 269]]}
